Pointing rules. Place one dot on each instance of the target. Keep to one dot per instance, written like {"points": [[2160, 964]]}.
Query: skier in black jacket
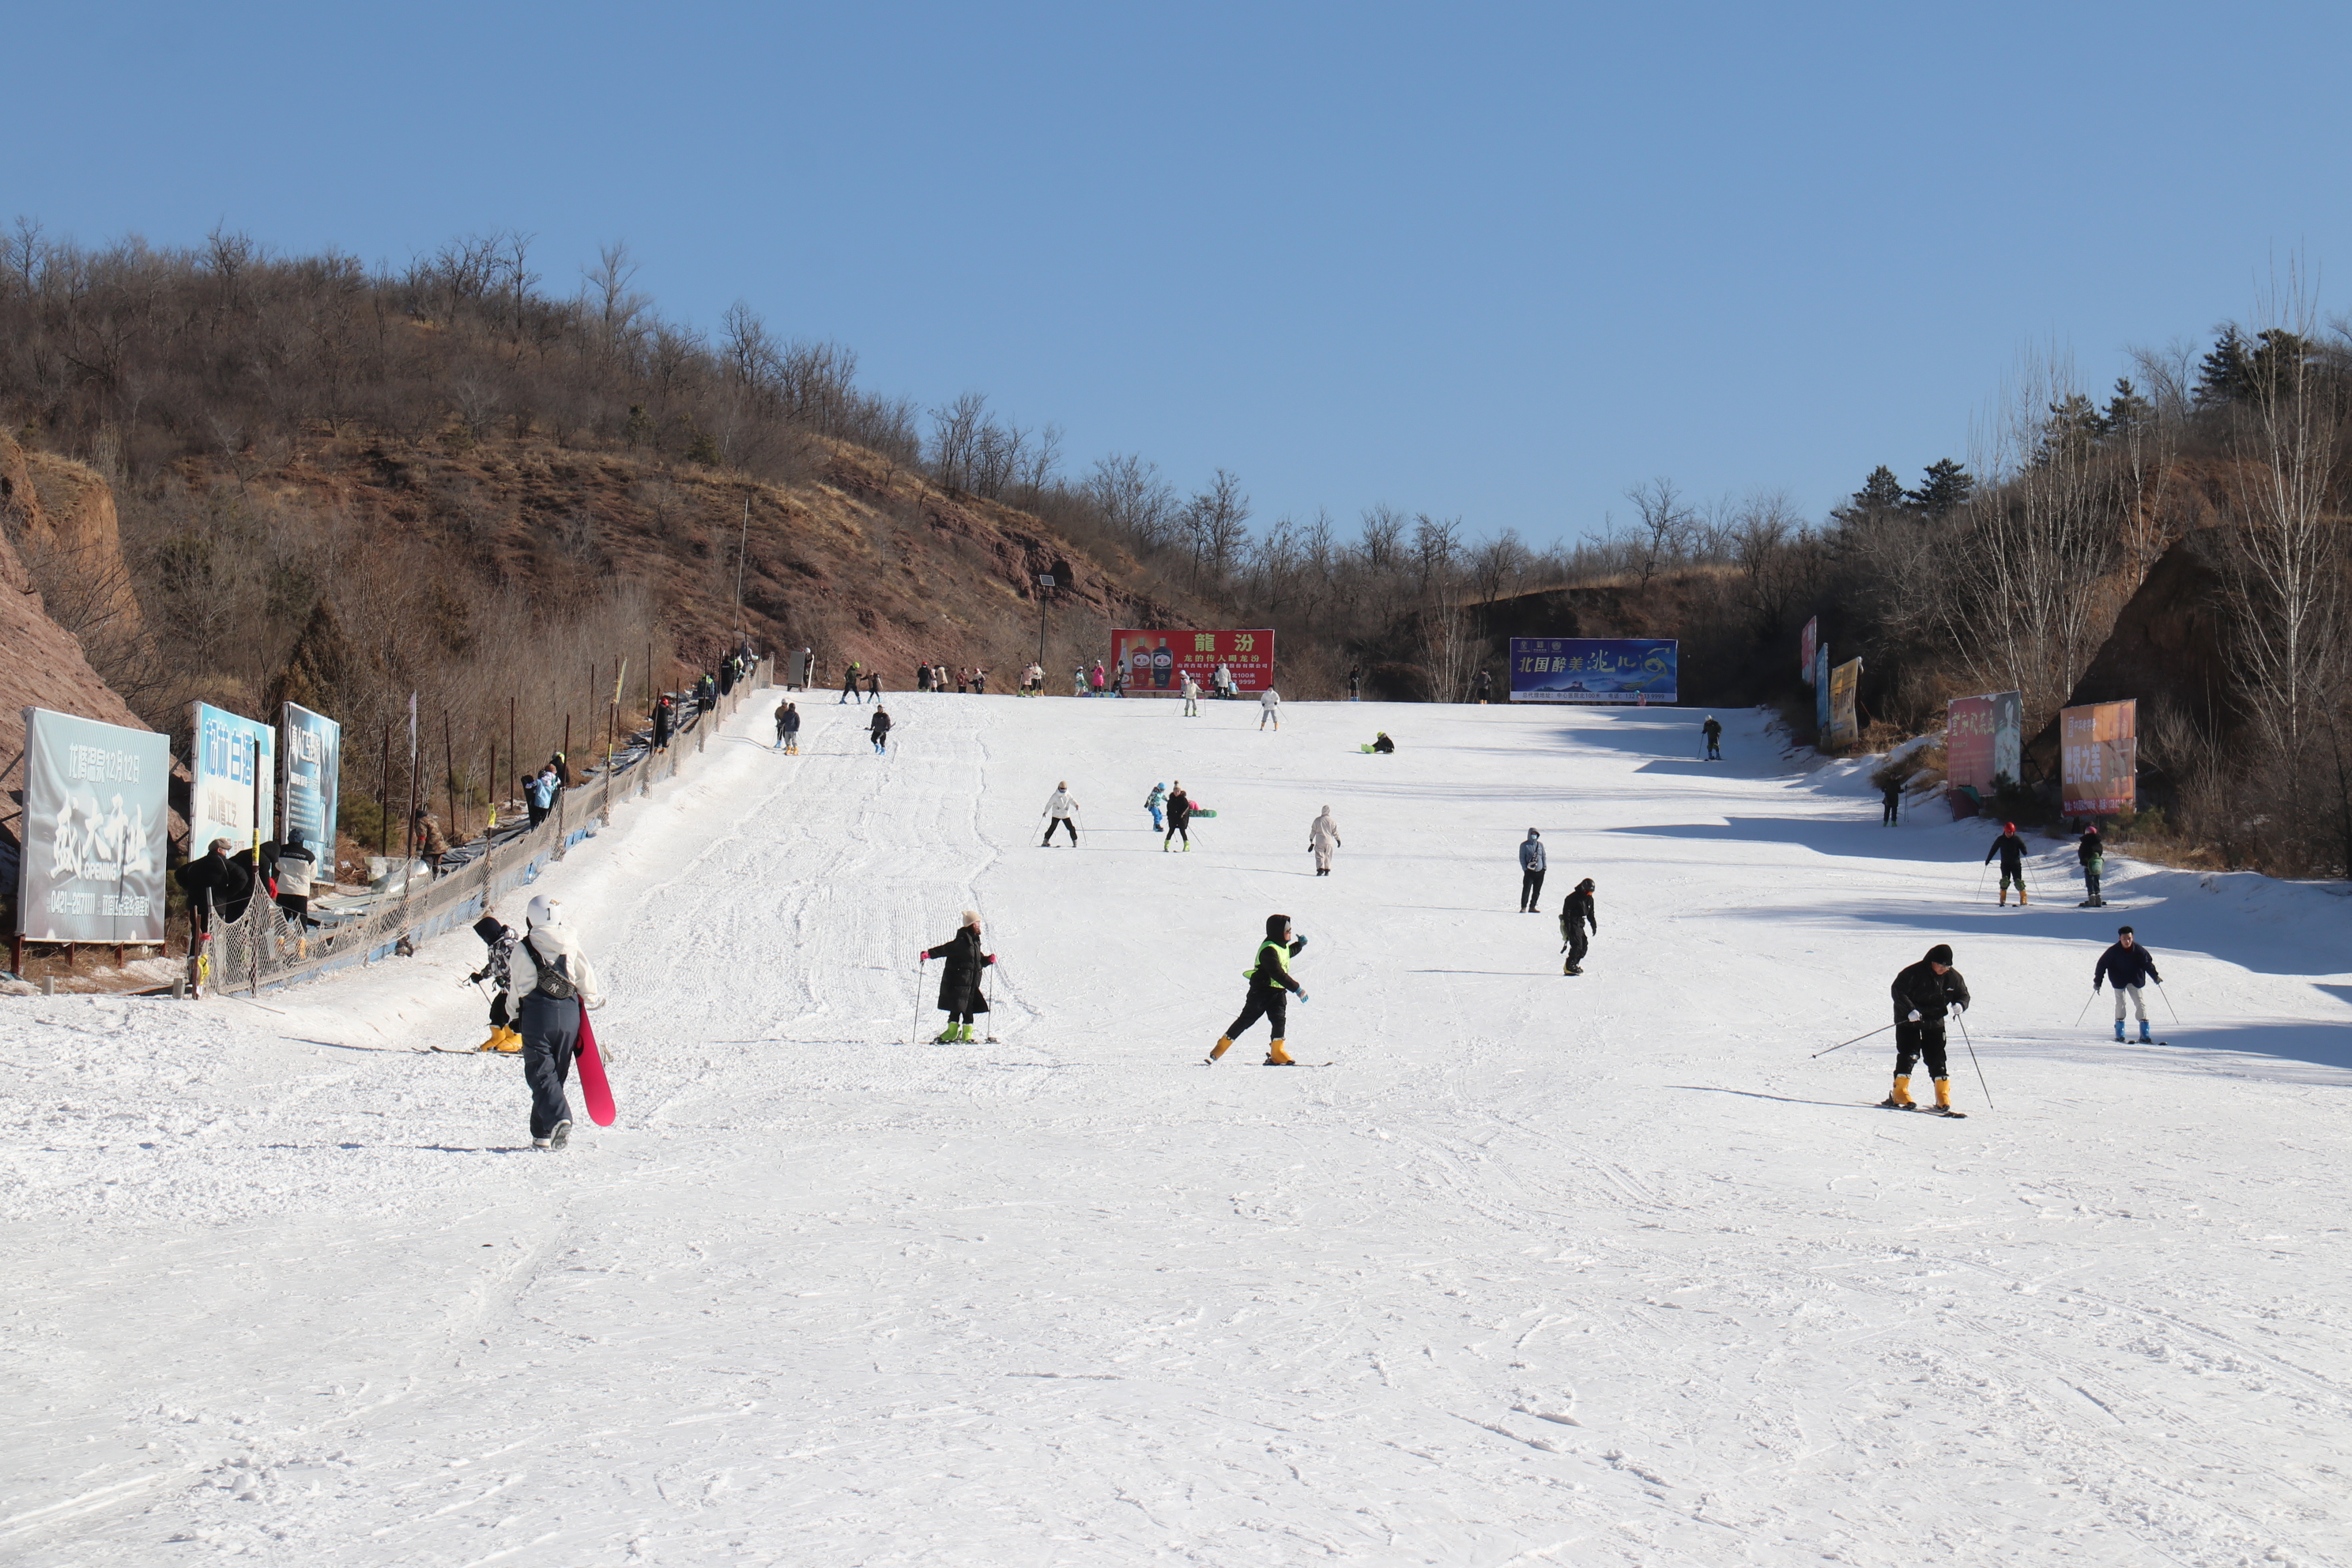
{"points": [[1714, 733], [879, 730], [960, 997], [2011, 850], [1923, 993], [2130, 967], [1270, 984], [1574, 916]]}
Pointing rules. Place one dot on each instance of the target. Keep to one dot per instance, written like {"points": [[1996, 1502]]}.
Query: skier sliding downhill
{"points": [[1270, 983], [1059, 809], [2093, 854], [2130, 967], [1925, 993], [1576, 913], [2011, 850], [548, 980], [1714, 733], [960, 993]]}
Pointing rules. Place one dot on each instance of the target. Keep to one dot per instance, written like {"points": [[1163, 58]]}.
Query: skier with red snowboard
{"points": [[550, 983]]}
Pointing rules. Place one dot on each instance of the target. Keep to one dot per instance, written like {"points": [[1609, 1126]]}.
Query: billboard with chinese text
{"points": [[313, 750], [1844, 730], [1983, 741], [1156, 660], [2098, 752], [95, 830], [233, 755], [1593, 669]]}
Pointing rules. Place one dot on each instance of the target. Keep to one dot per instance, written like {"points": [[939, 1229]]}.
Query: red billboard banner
{"points": [[1982, 741], [2099, 752], [1156, 660]]}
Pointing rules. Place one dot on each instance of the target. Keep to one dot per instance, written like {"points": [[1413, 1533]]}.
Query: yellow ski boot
{"points": [[1899, 1097], [1275, 1057], [1225, 1043]]}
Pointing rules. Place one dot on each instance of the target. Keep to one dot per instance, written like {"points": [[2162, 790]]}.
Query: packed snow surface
{"points": [[1594, 1270]]}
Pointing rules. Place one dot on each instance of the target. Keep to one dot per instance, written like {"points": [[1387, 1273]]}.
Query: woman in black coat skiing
{"points": [[960, 991]]}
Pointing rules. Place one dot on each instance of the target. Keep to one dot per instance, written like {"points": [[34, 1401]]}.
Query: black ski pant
{"points": [[1913, 1041], [1053, 822], [1530, 889], [1576, 948], [1274, 1006], [1176, 830], [1715, 751], [2091, 882], [1886, 812], [551, 1037]]}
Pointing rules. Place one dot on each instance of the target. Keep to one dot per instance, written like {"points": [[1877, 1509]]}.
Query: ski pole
{"points": [[2167, 1003], [992, 1005], [915, 1024], [1972, 1060], [1843, 1044], [1980, 876], [2087, 1007]]}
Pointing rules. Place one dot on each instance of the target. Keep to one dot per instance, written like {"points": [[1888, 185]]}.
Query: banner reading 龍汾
{"points": [[1594, 670], [1156, 660], [95, 830], [1983, 741], [236, 769], [1843, 729], [313, 750], [2098, 758]]}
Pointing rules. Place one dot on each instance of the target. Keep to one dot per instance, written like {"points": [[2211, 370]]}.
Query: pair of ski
{"points": [[1925, 1111]]}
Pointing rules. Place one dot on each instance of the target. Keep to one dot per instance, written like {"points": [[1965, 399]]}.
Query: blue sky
{"points": [[1494, 262]]}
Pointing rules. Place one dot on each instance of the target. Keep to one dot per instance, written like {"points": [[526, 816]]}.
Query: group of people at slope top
{"points": [[1577, 914], [968, 679]]}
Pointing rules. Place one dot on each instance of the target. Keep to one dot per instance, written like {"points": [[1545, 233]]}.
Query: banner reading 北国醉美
{"points": [[1593, 669], [1156, 660], [314, 765], [95, 830], [232, 752], [1983, 741], [2099, 752]]}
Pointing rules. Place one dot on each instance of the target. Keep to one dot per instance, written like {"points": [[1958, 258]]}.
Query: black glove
{"points": [[499, 1011]]}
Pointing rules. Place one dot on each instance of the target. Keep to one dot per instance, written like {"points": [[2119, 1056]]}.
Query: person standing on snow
{"points": [[548, 980], [1890, 801], [1925, 993], [1095, 680], [961, 996], [1531, 871], [1355, 683], [1575, 915], [1269, 706], [878, 729], [1179, 812], [849, 692], [783, 711], [1714, 733], [1060, 807], [664, 722], [874, 683], [1322, 838], [229, 882], [1191, 696], [1153, 802], [2011, 850], [1484, 689], [2092, 853], [1222, 682], [1270, 983], [2131, 967]]}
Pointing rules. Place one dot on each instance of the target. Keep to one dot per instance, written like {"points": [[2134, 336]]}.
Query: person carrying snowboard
{"points": [[1270, 984], [548, 980], [2092, 853], [1923, 993], [1575, 915], [2011, 850], [1269, 706], [1060, 807], [1322, 838], [1153, 803], [961, 996], [1714, 733], [2130, 967], [1531, 871], [1179, 812], [878, 729]]}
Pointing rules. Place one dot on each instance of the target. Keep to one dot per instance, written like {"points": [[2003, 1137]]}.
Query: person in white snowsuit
{"points": [[1224, 682], [1322, 838], [1059, 809], [548, 980], [1269, 706], [1191, 696]]}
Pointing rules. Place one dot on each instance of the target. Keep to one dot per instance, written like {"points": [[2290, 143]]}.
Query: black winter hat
{"points": [[1939, 954], [1276, 924]]}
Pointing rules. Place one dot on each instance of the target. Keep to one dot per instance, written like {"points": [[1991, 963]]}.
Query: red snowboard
{"points": [[593, 1090]]}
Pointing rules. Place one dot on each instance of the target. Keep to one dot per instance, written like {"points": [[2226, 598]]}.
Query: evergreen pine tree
{"points": [[2127, 412], [319, 669], [2225, 375], [1945, 488]]}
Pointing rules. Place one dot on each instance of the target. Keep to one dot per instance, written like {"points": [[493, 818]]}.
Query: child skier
{"points": [[2011, 850], [959, 992], [1270, 983], [1925, 993], [2092, 853], [2131, 967], [1153, 802], [1575, 915], [1269, 707], [1060, 807]]}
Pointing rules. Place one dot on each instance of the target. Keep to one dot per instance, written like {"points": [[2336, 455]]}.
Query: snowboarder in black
{"points": [[1270, 984], [1384, 745], [2130, 967], [2092, 853], [960, 997], [1714, 733], [1531, 871], [1575, 915], [1925, 993], [2011, 850], [879, 730]]}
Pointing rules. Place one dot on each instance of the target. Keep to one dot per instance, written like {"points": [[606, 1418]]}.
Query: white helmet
{"points": [[543, 910]]}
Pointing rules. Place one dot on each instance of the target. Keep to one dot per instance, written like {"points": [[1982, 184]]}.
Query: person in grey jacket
{"points": [[1531, 871]]}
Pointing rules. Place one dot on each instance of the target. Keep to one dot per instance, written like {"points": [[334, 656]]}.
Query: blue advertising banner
{"points": [[1593, 669], [233, 754], [314, 766]]}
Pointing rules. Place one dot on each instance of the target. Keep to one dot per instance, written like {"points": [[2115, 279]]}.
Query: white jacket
{"points": [[552, 942], [1269, 698], [1324, 836], [1062, 804]]}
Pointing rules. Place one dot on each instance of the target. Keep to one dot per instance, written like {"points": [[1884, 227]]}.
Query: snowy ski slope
{"points": [[1591, 1270]]}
